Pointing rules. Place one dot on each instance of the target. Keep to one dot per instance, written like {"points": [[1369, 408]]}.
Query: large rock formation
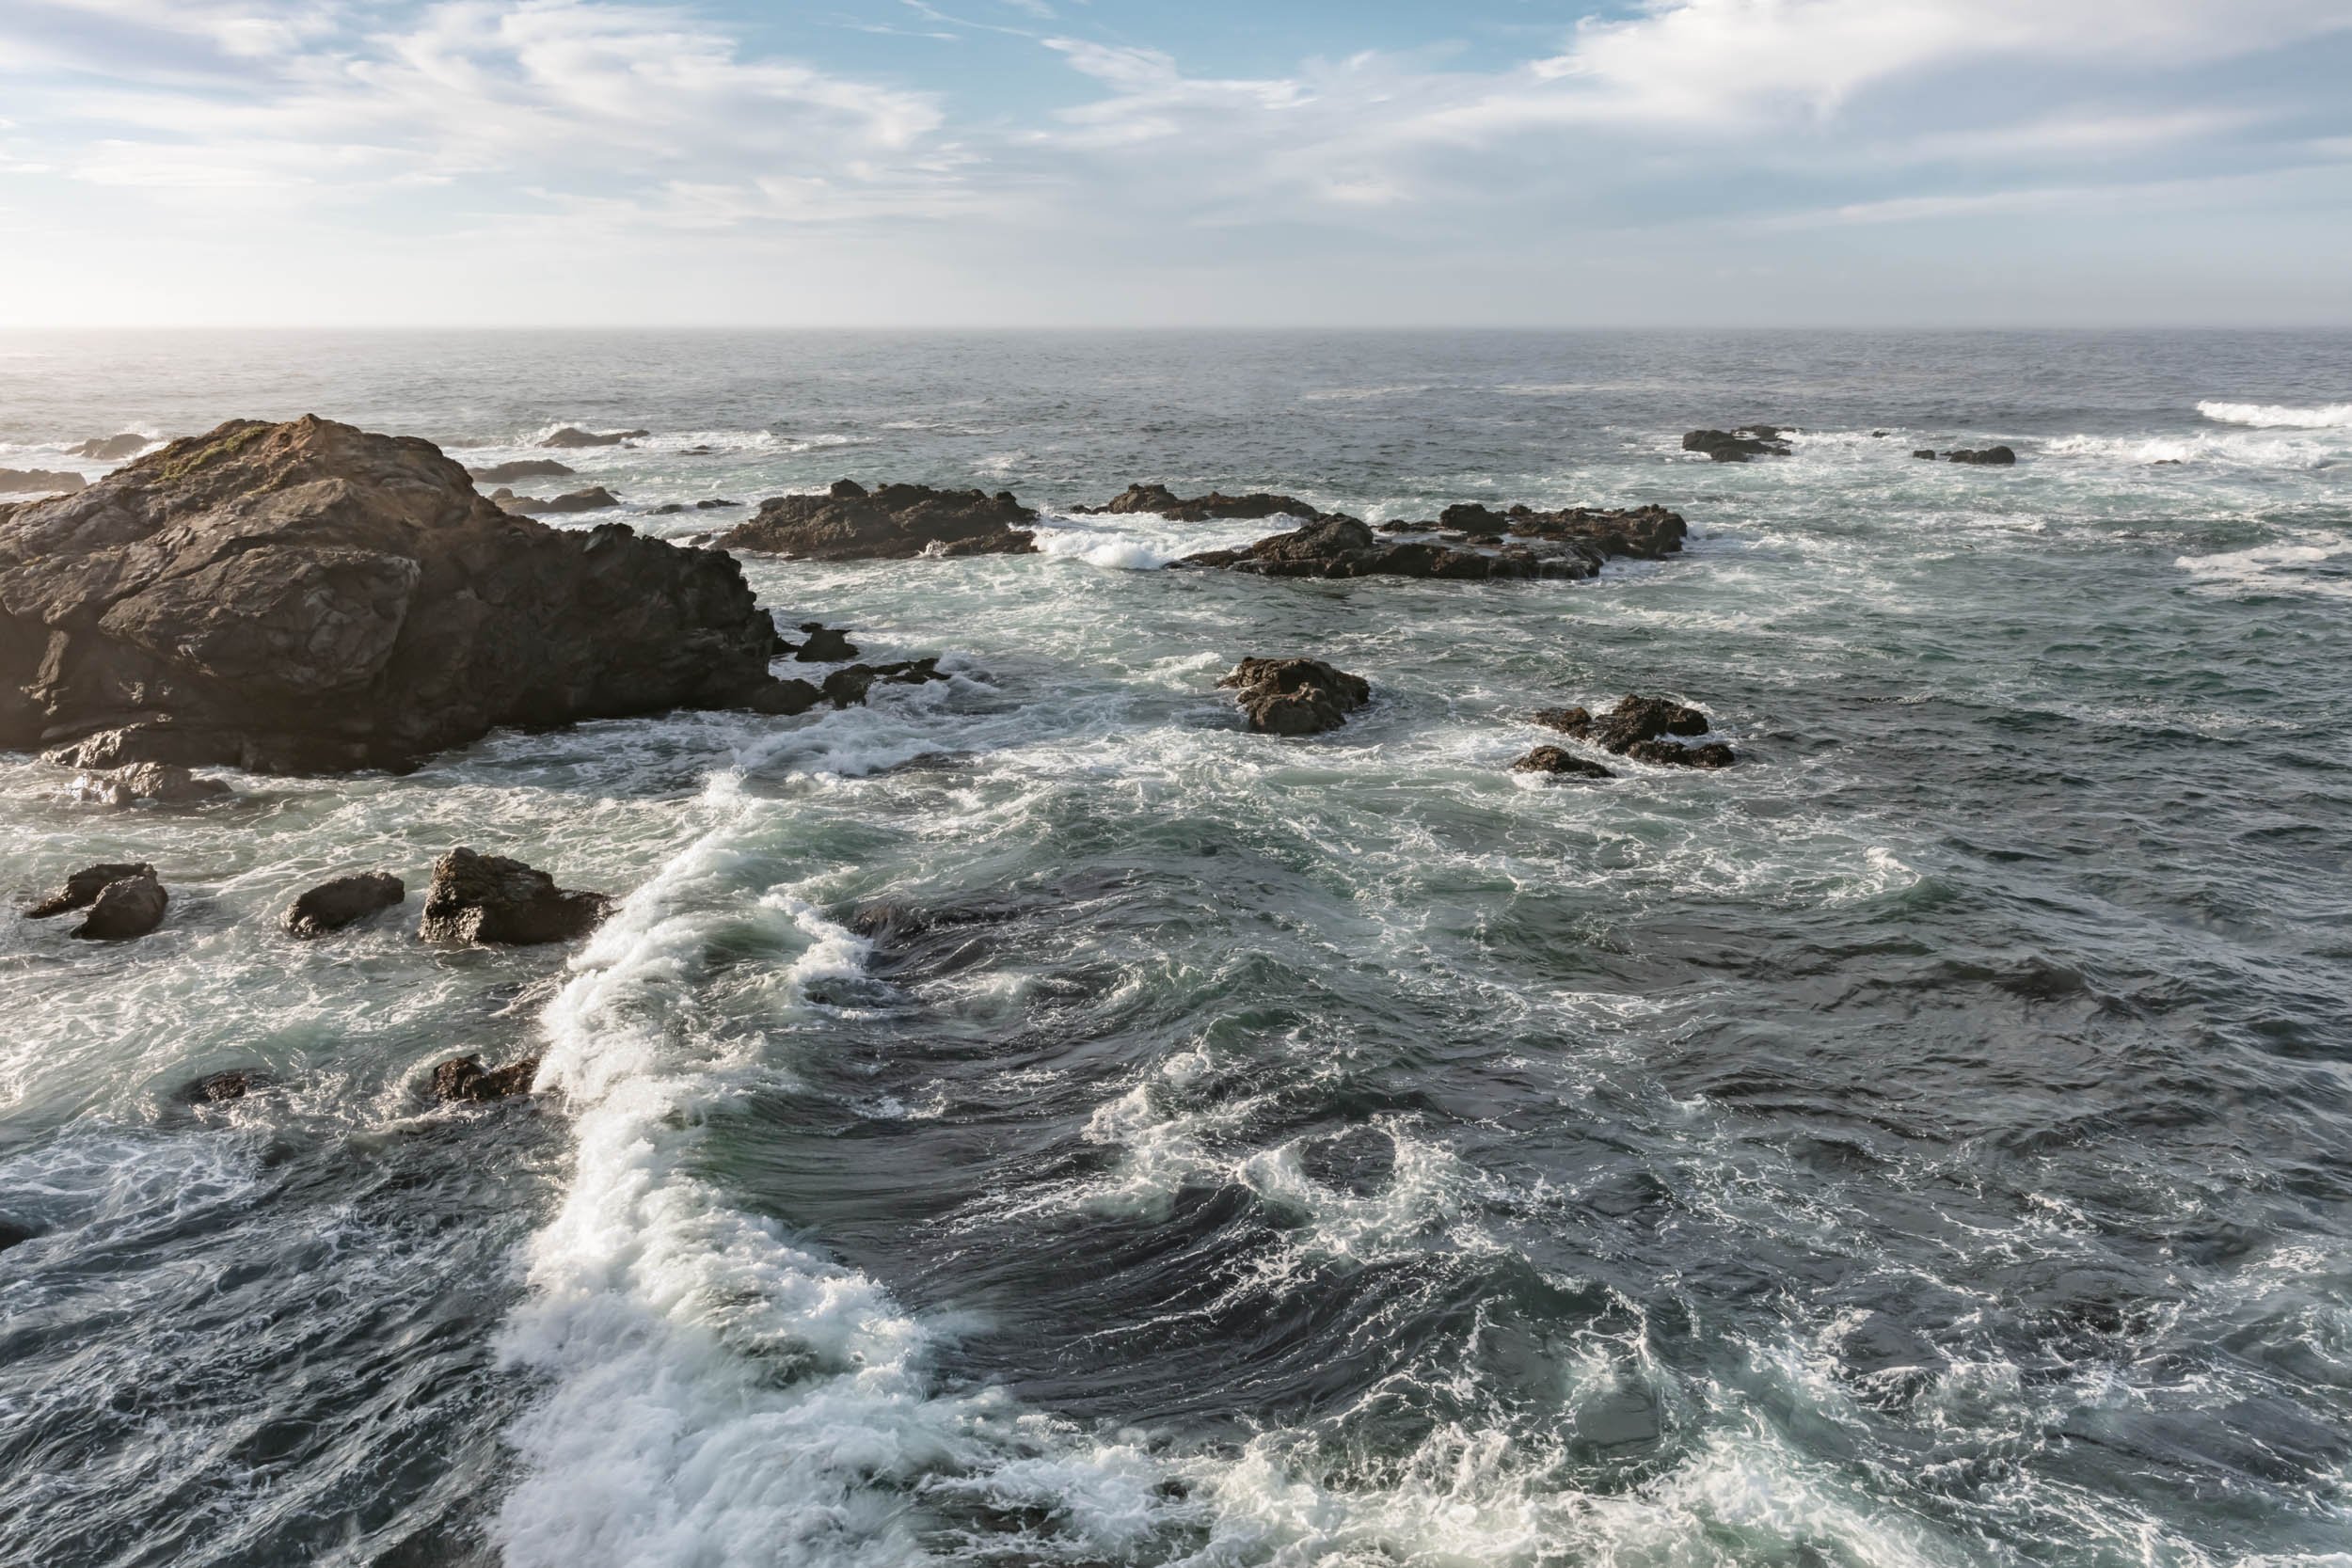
{"points": [[307, 596], [893, 523], [1214, 506], [39, 482], [492, 899], [1465, 542], [1295, 696]]}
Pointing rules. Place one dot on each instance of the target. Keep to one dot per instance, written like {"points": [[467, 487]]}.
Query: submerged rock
{"points": [[1738, 446], [895, 522], [219, 1088], [491, 898], [13, 1234], [1214, 506], [597, 498], [1928, 452], [81, 889], [310, 598], [332, 906], [521, 467], [464, 1078], [1552, 759], [39, 482], [167, 783], [569, 437], [1467, 541], [714, 503], [1295, 696], [1998, 457], [126, 908], [1641, 728], [848, 686], [112, 449]]}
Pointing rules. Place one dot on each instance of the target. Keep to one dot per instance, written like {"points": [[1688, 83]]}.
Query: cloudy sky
{"points": [[1241, 161]]}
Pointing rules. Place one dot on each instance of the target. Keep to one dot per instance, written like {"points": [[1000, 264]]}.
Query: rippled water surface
{"points": [[1031, 1121]]}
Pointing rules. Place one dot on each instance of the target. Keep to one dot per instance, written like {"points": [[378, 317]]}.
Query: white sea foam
{"points": [[2284, 567], [2324, 417]]}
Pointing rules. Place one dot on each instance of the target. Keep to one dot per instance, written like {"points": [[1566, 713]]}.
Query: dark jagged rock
{"points": [[824, 645], [126, 908], [491, 898], [219, 1088], [83, 887], [787, 697], [715, 503], [1928, 452], [13, 1234], [332, 906], [1553, 760], [1998, 457], [1470, 542], [308, 597], [567, 437], [521, 467], [596, 499], [112, 449], [465, 1079], [895, 522], [1667, 753], [848, 686], [1295, 696], [165, 782], [39, 482], [1214, 506], [1640, 728], [1738, 446]]}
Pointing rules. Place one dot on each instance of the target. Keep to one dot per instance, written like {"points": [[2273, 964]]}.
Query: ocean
{"points": [[1028, 1121]]}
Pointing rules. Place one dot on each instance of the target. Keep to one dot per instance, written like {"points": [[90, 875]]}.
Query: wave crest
{"points": [[2328, 417]]}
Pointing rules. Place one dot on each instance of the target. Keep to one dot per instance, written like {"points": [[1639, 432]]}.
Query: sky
{"points": [[1302, 162]]}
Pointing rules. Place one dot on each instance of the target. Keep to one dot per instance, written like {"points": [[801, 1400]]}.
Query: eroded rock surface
{"points": [[464, 1078], [492, 899], [1552, 759], [894, 522], [1295, 696], [346, 900], [1647, 729], [126, 908], [310, 598], [81, 889], [167, 783]]}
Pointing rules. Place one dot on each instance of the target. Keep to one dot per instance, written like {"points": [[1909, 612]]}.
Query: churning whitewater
{"points": [[1029, 1119]]}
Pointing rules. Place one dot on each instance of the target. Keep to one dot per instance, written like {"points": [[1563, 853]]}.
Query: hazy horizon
{"points": [[1910, 164]]}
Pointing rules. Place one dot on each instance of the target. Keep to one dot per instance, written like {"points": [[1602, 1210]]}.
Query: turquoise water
{"points": [[1030, 1120]]}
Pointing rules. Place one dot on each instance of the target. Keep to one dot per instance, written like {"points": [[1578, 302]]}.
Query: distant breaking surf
{"points": [[2326, 418]]}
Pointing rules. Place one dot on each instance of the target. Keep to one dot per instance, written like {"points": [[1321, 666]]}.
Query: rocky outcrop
{"points": [[715, 503], [126, 908], [1996, 457], [845, 687], [1647, 728], [1553, 760], [1295, 696], [218, 1088], [167, 783], [522, 467], [344, 901], [491, 898], [895, 522], [81, 889], [112, 449], [1738, 446], [39, 482], [1214, 506], [308, 597], [1467, 542], [822, 644], [596, 499], [465, 1079], [567, 438]]}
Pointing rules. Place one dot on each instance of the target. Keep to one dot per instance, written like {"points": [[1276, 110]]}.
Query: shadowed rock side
{"points": [[595, 498], [344, 901], [1216, 506], [1295, 696], [1469, 541], [895, 522], [81, 889], [310, 598]]}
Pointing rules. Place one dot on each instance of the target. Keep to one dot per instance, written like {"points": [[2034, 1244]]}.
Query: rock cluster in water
{"points": [[1216, 506], [39, 482], [165, 782], [344, 901], [892, 522], [464, 1078], [569, 437], [595, 498], [1465, 542], [310, 598], [1647, 729], [1738, 446], [125, 900], [1295, 696]]}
